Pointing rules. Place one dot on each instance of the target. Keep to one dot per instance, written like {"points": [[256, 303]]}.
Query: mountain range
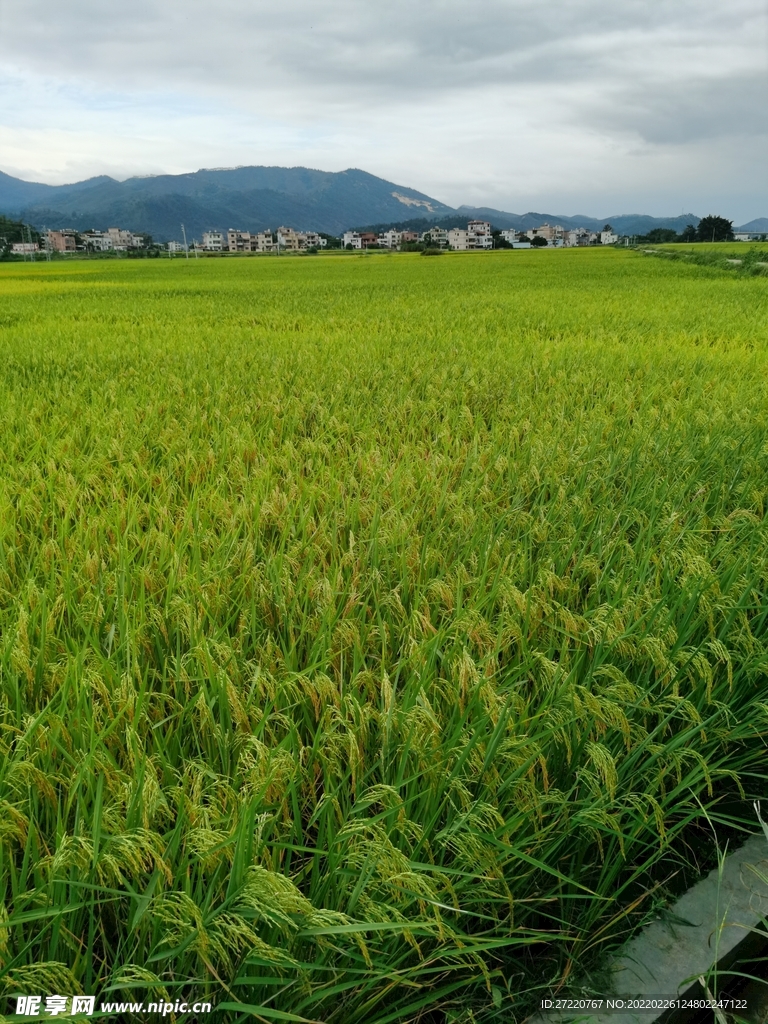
{"points": [[256, 198]]}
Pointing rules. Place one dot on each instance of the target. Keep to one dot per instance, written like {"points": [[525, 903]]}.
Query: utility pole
{"points": [[186, 247]]}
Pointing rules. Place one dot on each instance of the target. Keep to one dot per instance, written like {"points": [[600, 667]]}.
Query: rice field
{"points": [[381, 638]]}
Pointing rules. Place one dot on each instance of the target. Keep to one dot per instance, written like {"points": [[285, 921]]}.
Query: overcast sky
{"points": [[572, 106]]}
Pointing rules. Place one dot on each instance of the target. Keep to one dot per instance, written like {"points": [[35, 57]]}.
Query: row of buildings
{"points": [[118, 240], [557, 235], [113, 239], [478, 235], [69, 240], [282, 240]]}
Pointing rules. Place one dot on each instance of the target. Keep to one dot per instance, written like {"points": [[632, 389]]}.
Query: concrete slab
{"points": [[704, 929]]}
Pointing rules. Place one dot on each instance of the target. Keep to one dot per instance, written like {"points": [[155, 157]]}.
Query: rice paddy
{"points": [[381, 638]]}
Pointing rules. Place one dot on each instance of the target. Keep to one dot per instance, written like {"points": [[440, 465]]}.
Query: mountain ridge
{"points": [[255, 198], [250, 198]]}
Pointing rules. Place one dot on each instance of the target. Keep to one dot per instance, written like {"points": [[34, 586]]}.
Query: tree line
{"points": [[709, 229]]}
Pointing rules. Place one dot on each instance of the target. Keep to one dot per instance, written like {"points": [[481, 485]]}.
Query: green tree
{"points": [[714, 229], [539, 242], [688, 233], [658, 235], [15, 231]]}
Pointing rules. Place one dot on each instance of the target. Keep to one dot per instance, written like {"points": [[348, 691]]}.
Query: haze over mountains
{"points": [[256, 198]]}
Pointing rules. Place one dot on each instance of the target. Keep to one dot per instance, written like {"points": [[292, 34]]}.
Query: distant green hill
{"points": [[758, 224], [250, 198]]}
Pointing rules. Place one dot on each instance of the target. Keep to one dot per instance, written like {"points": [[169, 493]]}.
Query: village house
{"points": [[390, 239], [457, 239], [60, 241], [578, 236], [552, 234], [97, 241], [479, 235], [435, 237], [311, 240], [263, 241], [122, 240], [238, 241], [213, 241], [288, 240]]}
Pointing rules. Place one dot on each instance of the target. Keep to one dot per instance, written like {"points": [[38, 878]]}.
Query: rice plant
{"points": [[376, 634]]}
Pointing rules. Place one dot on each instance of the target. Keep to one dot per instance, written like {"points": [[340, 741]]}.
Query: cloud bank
{"points": [[575, 106]]}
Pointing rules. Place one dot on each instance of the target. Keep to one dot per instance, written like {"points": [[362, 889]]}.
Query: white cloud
{"points": [[510, 103]]}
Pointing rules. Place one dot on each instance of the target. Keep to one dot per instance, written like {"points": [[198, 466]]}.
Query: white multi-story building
{"points": [[390, 239], [311, 240], [24, 248], [510, 235], [175, 247], [351, 238], [608, 238], [457, 239], [479, 235], [436, 237], [213, 241], [98, 241]]}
